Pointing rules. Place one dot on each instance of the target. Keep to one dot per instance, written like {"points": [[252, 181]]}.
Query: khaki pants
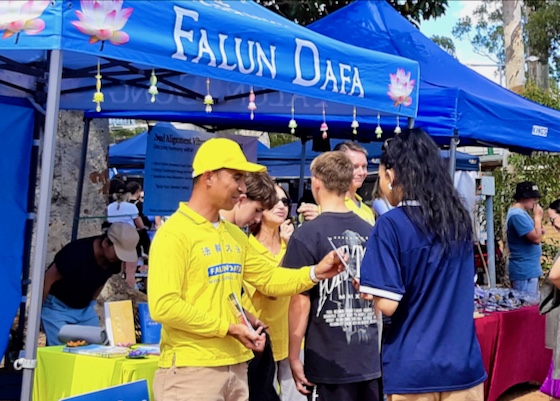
{"points": [[475, 393], [223, 383]]}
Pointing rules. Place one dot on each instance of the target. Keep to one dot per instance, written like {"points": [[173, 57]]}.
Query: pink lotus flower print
{"points": [[21, 15], [103, 20], [400, 88]]}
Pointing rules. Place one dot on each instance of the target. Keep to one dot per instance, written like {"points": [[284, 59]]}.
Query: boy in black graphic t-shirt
{"points": [[341, 339]]}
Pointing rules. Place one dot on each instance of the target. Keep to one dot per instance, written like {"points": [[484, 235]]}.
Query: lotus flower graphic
{"points": [[103, 20], [21, 15], [400, 88]]}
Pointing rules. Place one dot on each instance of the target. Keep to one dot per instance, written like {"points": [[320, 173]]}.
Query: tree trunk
{"points": [[513, 43]]}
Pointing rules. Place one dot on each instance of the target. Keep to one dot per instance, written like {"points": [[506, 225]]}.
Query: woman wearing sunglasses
{"points": [[418, 270], [270, 237]]}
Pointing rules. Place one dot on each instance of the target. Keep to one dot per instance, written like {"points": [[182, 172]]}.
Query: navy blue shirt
{"points": [[524, 255], [431, 345]]}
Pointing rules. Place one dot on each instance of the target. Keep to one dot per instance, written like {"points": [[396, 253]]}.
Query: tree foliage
{"points": [[446, 44], [281, 139], [305, 12], [542, 30], [484, 30], [121, 134], [538, 167]]}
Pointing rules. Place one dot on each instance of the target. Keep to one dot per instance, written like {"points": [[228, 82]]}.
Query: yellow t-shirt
{"points": [[194, 267], [273, 311], [364, 211]]}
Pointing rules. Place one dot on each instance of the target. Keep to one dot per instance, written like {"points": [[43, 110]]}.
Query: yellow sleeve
{"points": [[169, 262], [271, 280], [247, 298]]}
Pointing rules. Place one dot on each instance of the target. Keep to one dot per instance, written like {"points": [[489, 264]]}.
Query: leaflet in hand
{"points": [[238, 311]]}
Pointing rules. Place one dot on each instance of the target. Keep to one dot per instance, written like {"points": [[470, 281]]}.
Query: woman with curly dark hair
{"points": [[418, 268]]}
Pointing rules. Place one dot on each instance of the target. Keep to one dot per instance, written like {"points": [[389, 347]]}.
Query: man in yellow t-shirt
{"points": [[197, 262], [358, 156]]}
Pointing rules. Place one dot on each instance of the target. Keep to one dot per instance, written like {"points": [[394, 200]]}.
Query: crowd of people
{"points": [[353, 304]]}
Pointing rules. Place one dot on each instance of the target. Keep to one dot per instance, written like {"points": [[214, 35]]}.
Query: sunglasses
{"points": [[287, 202]]}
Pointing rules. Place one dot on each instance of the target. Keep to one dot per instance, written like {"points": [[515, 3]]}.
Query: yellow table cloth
{"points": [[60, 374]]}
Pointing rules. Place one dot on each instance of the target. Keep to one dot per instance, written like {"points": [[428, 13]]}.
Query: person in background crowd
{"points": [[380, 205], [198, 263], [524, 235], [77, 275], [248, 209], [270, 238], [136, 198], [418, 269], [122, 211], [550, 305], [341, 335], [358, 156]]}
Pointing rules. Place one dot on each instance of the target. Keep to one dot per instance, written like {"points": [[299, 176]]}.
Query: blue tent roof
{"points": [[452, 96], [281, 161], [129, 153], [284, 161], [196, 49]]}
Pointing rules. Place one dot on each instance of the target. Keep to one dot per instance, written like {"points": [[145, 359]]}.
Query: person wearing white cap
{"points": [[77, 275], [198, 262]]}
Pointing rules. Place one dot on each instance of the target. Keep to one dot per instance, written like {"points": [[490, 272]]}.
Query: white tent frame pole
{"points": [[29, 362], [453, 154]]}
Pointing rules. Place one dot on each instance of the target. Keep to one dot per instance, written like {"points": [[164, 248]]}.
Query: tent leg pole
{"points": [[452, 155], [301, 183], [43, 216], [490, 241], [39, 123], [81, 173], [410, 123]]}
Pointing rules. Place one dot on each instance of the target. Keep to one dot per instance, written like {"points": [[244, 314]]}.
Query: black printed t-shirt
{"points": [[341, 340], [81, 275]]}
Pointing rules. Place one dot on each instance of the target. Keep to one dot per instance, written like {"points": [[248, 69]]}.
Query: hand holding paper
{"points": [[331, 265]]}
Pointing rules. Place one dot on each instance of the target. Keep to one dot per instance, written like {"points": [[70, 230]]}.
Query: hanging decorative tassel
{"points": [[98, 95], [398, 127], [252, 106], [324, 126], [208, 99], [292, 125], [378, 130], [153, 86], [355, 123]]}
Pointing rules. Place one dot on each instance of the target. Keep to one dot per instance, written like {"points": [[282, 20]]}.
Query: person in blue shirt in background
{"points": [[418, 269], [524, 235]]}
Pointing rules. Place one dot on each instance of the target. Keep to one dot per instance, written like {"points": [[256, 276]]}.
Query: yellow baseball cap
{"points": [[218, 153]]}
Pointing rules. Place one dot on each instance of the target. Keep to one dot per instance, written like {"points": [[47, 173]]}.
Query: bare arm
{"points": [[386, 306], [139, 223], [97, 292], [298, 316], [51, 276], [554, 274], [535, 236]]}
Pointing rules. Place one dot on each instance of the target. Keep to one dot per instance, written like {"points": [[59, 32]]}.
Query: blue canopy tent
{"points": [[454, 99], [130, 153], [281, 161], [284, 161], [202, 54], [16, 131]]}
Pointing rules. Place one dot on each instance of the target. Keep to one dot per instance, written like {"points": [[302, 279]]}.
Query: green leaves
{"points": [[304, 12]]}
